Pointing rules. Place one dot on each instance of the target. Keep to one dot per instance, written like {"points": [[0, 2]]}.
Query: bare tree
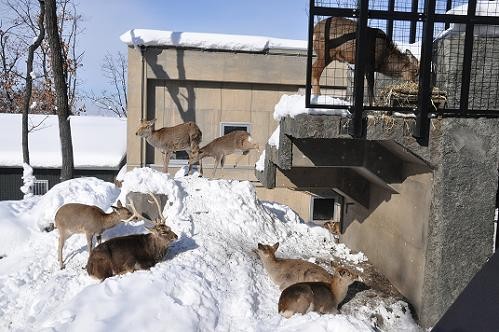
{"points": [[10, 54], [114, 69], [61, 90], [29, 81]]}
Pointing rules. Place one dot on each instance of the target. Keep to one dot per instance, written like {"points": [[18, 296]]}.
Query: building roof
{"points": [[209, 41], [98, 142]]}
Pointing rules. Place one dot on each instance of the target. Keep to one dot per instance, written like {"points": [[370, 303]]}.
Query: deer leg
{"points": [[166, 161], [89, 242], [245, 153], [217, 160], [62, 239], [317, 69], [370, 86]]}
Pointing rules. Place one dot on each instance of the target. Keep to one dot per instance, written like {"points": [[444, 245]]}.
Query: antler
{"points": [[160, 213], [134, 210]]}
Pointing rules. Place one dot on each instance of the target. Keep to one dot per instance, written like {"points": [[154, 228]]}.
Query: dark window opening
{"points": [[228, 128], [323, 209], [180, 155]]}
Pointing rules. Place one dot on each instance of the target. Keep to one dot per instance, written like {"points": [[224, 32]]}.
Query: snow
{"points": [[33, 105], [33, 75], [293, 105], [210, 280], [483, 8], [260, 163], [28, 180], [211, 41], [97, 141]]}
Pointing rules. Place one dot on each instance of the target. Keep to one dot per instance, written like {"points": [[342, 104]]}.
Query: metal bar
{"points": [[412, 33], [329, 11], [308, 86], [361, 58], [467, 57], [389, 23], [448, 6], [422, 129], [452, 18]]}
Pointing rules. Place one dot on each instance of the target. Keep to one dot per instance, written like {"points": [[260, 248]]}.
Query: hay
{"points": [[405, 94]]}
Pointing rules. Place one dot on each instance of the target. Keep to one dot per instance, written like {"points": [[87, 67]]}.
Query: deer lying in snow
{"points": [[73, 218], [133, 252], [320, 297], [286, 272], [235, 141], [185, 136]]}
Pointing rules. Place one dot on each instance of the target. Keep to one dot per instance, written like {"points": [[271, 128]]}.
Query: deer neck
{"points": [[157, 245], [111, 219], [339, 287], [271, 263]]}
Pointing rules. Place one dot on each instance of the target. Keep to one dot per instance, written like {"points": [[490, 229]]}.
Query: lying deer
{"points": [[320, 297], [133, 252], [286, 272], [334, 39], [185, 136], [235, 141], [74, 218]]}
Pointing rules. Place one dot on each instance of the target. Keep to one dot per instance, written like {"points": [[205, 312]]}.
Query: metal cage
{"points": [[457, 43]]}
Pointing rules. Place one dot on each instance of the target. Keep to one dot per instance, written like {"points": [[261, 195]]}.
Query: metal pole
{"points": [[412, 34], [467, 57], [389, 23], [422, 128], [361, 57], [308, 88]]}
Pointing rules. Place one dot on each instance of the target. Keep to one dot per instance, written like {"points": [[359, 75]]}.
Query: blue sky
{"points": [[106, 20]]}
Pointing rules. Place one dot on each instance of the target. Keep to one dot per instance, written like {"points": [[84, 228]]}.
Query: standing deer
{"points": [[235, 141], [320, 297], [73, 218], [286, 272], [334, 39], [133, 252], [185, 136]]}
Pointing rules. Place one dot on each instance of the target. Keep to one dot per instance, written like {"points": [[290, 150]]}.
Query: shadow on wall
{"points": [[186, 113]]}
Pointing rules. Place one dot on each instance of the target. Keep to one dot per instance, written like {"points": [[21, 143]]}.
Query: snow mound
{"points": [[292, 105], [211, 280]]}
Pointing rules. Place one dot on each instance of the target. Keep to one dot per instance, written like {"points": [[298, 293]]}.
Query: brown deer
{"points": [[286, 272], [74, 218], [133, 252], [235, 141], [334, 39], [320, 297], [185, 136]]}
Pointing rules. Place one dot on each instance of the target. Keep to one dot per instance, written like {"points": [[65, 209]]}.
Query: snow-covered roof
{"points": [[97, 141], [209, 41]]}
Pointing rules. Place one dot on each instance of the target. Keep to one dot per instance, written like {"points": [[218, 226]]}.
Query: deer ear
{"points": [[260, 246], [276, 245], [411, 56], [119, 204]]}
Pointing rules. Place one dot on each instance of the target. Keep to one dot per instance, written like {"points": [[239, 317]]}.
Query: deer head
{"points": [[124, 213], [146, 128], [410, 70], [267, 251]]}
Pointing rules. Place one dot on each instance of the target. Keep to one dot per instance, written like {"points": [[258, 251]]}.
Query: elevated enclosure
{"points": [[417, 169]]}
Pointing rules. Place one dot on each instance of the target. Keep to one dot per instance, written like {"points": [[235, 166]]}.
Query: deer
{"points": [[235, 141], [285, 272], [185, 136], [120, 255], [320, 297], [334, 39], [77, 218]]}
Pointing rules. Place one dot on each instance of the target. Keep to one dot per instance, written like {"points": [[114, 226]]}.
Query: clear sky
{"points": [[106, 20]]}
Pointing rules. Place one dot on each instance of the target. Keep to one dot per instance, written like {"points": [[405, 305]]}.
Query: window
{"points": [[227, 127], [40, 187], [326, 208]]}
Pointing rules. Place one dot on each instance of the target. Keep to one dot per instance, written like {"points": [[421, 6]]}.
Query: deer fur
{"points": [[285, 272], [235, 141], [320, 297], [74, 218], [185, 136], [387, 59], [129, 253]]}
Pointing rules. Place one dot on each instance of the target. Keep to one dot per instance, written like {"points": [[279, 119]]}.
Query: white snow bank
{"points": [[139, 37], [292, 105], [12, 232], [97, 141], [260, 163], [483, 8], [210, 281]]}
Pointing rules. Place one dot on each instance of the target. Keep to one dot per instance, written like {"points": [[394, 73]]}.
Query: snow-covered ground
{"points": [[210, 280]]}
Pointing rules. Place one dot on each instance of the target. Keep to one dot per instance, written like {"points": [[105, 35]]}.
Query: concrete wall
{"points": [[210, 87], [299, 201]]}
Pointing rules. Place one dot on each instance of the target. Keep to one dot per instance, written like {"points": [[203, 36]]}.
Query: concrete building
{"points": [[221, 82]]}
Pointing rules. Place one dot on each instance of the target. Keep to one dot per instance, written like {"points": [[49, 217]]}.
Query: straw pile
{"points": [[405, 94]]}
